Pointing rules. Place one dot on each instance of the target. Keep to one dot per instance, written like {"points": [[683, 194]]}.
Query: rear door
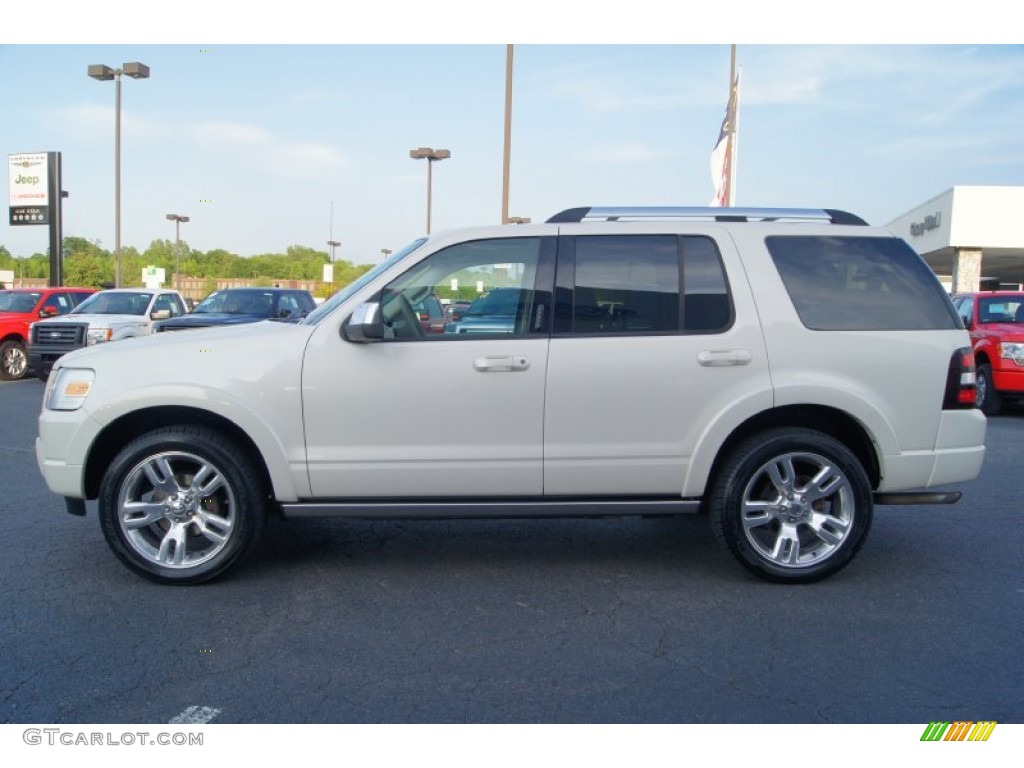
{"points": [[655, 350]]}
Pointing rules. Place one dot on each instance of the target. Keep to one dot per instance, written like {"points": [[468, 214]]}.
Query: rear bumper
{"points": [[957, 456]]}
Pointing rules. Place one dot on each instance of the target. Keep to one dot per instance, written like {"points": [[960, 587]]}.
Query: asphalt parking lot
{"points": [[582, 621]]}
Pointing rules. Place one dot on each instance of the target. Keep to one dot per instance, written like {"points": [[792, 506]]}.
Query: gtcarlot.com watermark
{"points": [[69, 738]]}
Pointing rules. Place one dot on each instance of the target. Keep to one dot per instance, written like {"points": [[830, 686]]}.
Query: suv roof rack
{"points": [[570, 215]]}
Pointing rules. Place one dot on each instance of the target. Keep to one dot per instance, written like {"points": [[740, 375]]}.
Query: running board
{"points": [[918, 497], [482, 509]]}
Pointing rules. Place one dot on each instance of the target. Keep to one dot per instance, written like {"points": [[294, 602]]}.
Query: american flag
{"points": [[721, 155]]}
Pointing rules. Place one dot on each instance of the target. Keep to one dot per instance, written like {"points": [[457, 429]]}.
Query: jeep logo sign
{"points": [[28, 182]]}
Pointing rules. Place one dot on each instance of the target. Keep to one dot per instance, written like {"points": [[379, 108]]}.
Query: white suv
{"points": [[780, 370]]}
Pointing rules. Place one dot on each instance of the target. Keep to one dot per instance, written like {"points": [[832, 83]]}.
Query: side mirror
{"points": [[48, 311], [365, 325], [160, 314]]}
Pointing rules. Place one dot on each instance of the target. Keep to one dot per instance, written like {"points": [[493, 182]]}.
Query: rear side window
{"points": [[860, 284], [643, 284]]}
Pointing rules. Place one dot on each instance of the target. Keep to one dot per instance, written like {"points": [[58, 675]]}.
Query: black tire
{"points": [[182, 504], [987, 397], [780, 525], [13, 360]]}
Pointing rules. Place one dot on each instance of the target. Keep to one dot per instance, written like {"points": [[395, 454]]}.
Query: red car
{"points": [[19, 308], [995, 320]]}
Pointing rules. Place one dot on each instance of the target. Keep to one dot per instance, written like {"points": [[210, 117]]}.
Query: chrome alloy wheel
{"points": [[798, 509], [14, 361], [177, 510]]}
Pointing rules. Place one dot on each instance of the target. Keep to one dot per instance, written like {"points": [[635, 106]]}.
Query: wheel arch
{"points": [[830, 421], [122, 430]]}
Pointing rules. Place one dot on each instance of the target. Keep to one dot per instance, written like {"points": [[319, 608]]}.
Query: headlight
{"points": [[98, 335], [1012, 351], [68, 388]]}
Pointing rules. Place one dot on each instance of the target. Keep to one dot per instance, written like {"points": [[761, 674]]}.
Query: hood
{"points": [[1005, 331], [205, 319], [97, 321], [235, 346]]}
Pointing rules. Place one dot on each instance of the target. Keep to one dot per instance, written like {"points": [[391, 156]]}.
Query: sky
{"points": [[268, 144]]}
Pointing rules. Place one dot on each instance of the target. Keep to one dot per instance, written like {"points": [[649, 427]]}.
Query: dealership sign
{"points": [[28, 180]]}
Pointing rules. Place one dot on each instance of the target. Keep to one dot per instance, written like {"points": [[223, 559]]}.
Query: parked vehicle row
{"points": [[113, 315], [39, 326]]}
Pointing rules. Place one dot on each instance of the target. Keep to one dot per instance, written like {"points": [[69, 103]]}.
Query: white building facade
{"points": [[972, 237]]}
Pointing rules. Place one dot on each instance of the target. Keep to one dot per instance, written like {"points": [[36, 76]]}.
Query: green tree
{"points": [[85, 270]]}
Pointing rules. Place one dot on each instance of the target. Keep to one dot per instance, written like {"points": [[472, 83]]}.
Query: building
{"points": [[972, 237]]}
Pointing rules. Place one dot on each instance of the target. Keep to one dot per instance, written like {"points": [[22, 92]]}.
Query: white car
{"points": [[111, 315], [781, 371]]}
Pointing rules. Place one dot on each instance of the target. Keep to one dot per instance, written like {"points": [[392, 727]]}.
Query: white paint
{"points": [[195, 716]]}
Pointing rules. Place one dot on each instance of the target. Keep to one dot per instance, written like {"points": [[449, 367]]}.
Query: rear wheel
{"points": [[182, 504], [987, 398], [792, 505], [13, 360]]}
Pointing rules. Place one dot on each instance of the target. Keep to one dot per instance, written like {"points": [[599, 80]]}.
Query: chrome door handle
{"points": [[713, 358], [500, 364]]}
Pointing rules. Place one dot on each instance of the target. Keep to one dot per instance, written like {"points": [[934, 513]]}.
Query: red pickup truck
{"points": [[995, 320], [19, 308]]}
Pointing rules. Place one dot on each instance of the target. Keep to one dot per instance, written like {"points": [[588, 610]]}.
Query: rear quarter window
{"points": [[860, 284]]}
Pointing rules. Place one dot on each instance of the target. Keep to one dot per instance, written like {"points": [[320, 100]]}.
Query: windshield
{"points": [[1001, 309], [237, 302], [16, 301], [114, 303], [343, 295]]}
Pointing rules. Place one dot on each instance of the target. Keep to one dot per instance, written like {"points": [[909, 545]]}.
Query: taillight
{"points": [[960, 382]]}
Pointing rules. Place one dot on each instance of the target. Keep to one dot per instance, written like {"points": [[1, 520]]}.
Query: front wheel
{"points": [[182, 504], [13, 360], [792, 505]]}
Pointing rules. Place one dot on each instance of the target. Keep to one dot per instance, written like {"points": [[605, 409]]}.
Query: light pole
{"points": [[506, 160], [431, 156], [334, 244], [136, 71], [178, 220]]}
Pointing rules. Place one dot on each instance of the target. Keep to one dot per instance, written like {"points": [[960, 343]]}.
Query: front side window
{"points": [[167, 303], [965, 307], [860, 284], [497, 276]]}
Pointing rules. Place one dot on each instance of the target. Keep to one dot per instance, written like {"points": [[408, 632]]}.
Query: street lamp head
{"points": [[427, 153], [100, 72], [136, 70], [177, 217]]}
